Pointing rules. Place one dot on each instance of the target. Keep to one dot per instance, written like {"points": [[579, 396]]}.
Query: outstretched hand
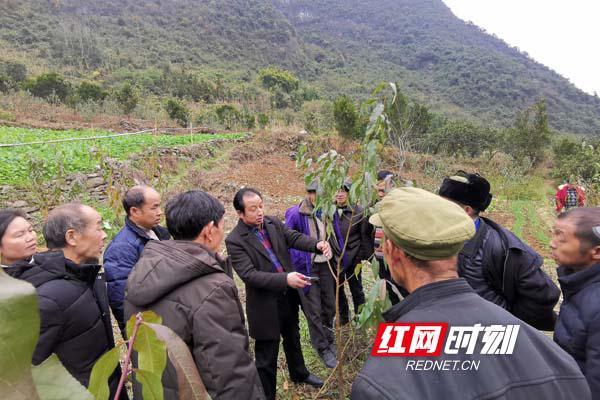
{"points": [[324, 248]]}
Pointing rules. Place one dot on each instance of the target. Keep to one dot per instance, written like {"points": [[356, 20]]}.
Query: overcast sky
{"points": [[561, 34]]}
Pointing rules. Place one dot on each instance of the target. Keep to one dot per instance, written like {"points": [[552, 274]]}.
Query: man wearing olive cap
{"points": [[496, 263], [423, 234]]}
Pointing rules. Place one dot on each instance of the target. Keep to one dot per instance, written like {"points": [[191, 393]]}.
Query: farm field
{"points": [[78, 156]]}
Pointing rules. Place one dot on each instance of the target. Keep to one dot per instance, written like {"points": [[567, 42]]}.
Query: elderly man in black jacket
{"points": [[258, 249], [484, 351], [75, 318], [496, 263], [576, 249]]}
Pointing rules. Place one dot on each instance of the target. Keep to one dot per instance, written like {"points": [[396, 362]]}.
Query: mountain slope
{"points": [[440, 59], [339, 46]]}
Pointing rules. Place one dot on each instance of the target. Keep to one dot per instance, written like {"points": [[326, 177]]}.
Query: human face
{"points": [[148, 215], [383, 187], [395, 265], [87, 246], [566, 247], [253, 214], [312, 197], [341, 198], [19, 242]]}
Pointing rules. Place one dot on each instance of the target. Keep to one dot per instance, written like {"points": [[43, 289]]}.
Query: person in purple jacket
{"points": [[318, 299]]}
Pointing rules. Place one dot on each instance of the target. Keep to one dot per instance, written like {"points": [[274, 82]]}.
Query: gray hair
{"points": [[59, 221]]}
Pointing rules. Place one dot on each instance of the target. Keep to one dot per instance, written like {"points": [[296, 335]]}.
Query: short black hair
{"points": [[381, 175], [587, 225], [59, 221], [188, 213], [238, 199], [7, 216], [134, 197]]}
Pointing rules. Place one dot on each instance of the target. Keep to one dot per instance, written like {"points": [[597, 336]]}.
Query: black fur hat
{"points": [[468, 189]]}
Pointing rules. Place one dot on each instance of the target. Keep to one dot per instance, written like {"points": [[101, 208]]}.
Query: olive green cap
{"points": [[423, 224]]}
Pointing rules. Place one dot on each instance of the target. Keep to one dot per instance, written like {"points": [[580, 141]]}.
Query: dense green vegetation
{"points": [[215, 51], [78, 156]]}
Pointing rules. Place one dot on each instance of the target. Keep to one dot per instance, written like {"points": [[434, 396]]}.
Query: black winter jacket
{"points": [[511, 275], [578, 325], [537, 368], [75, 318]]}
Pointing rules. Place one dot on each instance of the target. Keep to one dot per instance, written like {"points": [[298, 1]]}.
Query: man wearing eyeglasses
{"points": [[496, 263]]}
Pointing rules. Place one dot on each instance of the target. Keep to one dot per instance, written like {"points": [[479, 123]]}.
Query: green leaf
{"points": [[359, 267], [190, 384], [54, 382], [147, 316], [19, 331], [375, 266], [152, 352], [103, 369], [152, 388]]}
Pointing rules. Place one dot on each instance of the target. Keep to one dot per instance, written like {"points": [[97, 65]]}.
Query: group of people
{"points": [[441, 259]]}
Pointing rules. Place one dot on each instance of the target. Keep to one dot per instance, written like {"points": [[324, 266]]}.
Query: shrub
{"points": [[345, 117], [530, 135], [127, 97], [248, 119], [228, 115], [15, 71], [51, 86], [273, 78], [178, 112], [88, 91], [263, 120]]}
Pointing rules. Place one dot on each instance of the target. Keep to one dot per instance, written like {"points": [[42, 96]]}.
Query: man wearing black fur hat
{"points": [[497, 264]]}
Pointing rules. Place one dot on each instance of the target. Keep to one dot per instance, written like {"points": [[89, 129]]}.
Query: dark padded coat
{"points": [[537, 369], [119, 258], [191, 288], [512, 275], [252, 263], [75, 319], [578, 325]]}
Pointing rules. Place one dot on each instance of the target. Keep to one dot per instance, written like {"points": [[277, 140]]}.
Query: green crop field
{"points": [[78, 156]]}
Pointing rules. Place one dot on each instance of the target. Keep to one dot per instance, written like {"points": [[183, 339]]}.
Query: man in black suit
{"points": [[258, 249]]}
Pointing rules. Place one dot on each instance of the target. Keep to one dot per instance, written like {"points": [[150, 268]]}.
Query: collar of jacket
{"points": [[508, 238], [245, 229], [306, 207], [168, 264], [52, 265], [431, 292], [161, 232], [348, 209], [572, 282]]}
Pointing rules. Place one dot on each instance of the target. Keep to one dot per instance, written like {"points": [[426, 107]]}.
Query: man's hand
{"points": [[297, 281], [324, 248]]}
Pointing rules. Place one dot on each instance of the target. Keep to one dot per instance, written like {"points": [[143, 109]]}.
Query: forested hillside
{"points": [[336, 46]]}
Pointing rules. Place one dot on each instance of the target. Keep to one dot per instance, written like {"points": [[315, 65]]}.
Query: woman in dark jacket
{"points": [[576, 249], [18, 241]]}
